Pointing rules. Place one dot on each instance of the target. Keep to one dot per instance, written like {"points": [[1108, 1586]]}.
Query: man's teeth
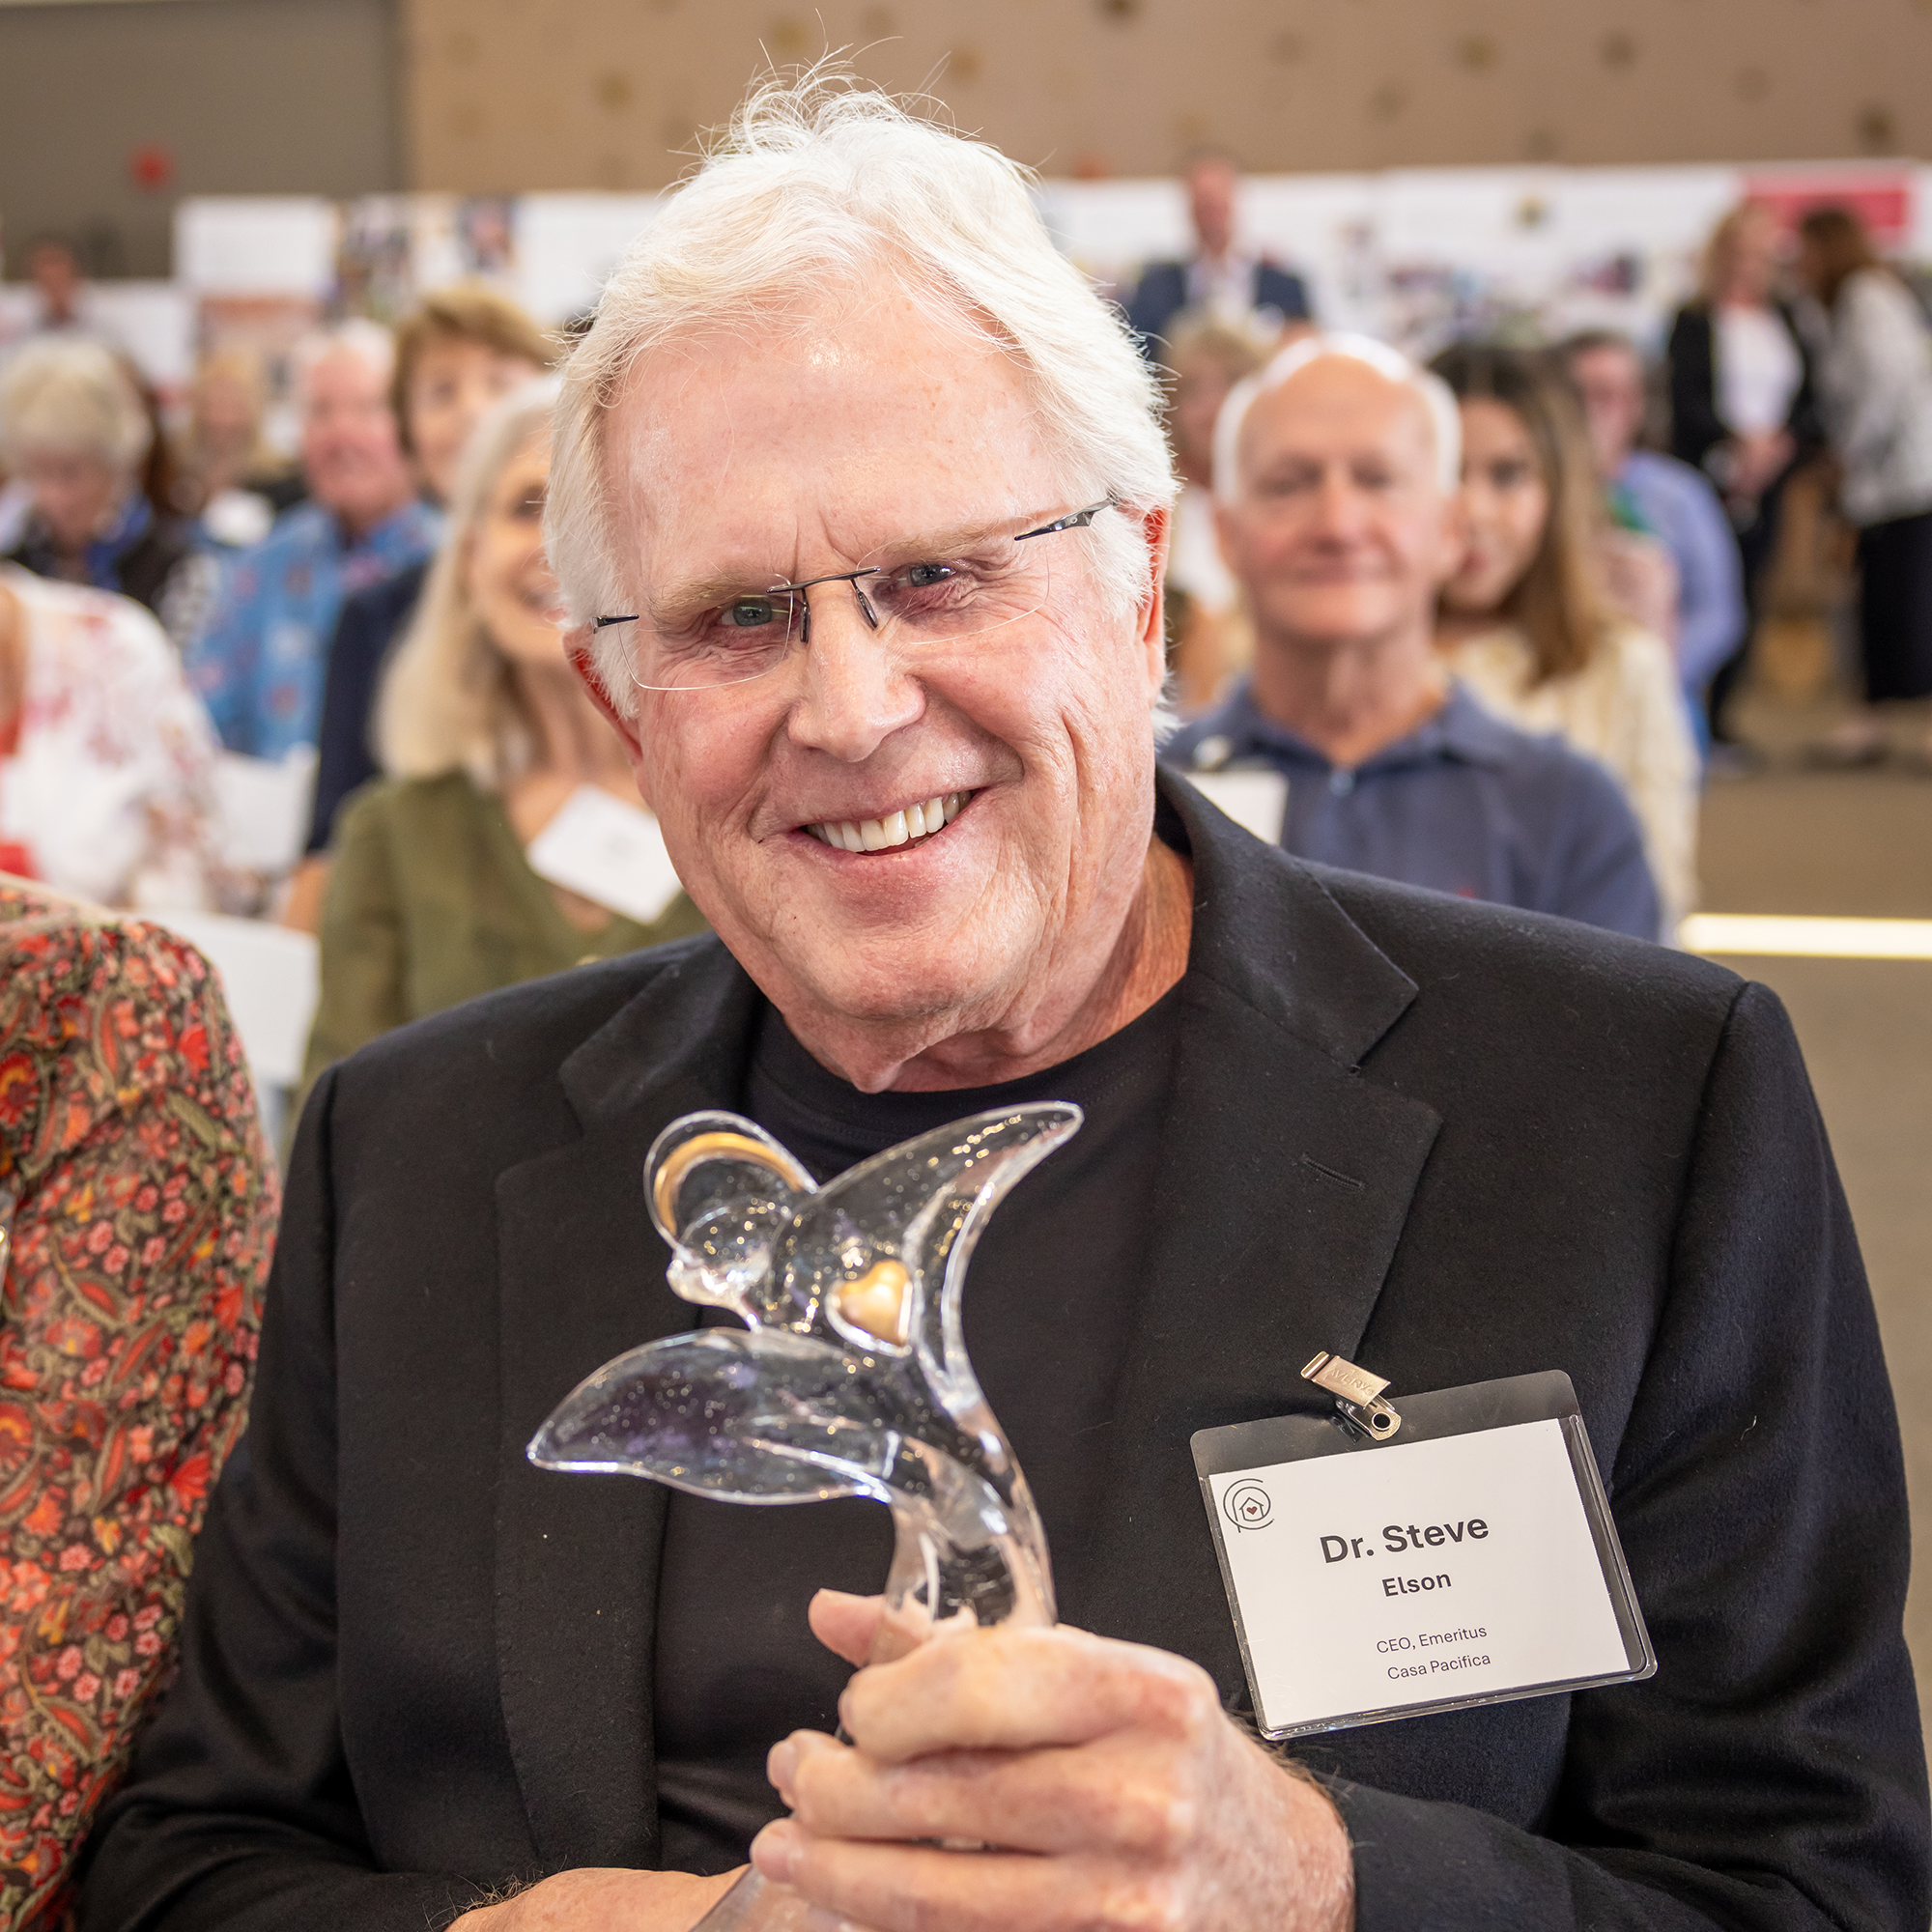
{"points": [[898, 828]]}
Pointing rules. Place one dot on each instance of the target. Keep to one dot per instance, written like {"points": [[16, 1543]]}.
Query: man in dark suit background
{"points": [[1220, 278], [885, 643]]}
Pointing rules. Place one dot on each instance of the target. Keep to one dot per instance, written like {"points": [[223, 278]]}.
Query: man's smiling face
{"points": [[751, 460]]}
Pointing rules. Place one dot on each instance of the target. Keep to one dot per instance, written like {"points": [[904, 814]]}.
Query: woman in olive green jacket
{"points": [[487, 735]]}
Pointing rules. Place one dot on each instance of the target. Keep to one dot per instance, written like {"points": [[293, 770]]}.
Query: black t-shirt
{"points": [[1047, 1309]]}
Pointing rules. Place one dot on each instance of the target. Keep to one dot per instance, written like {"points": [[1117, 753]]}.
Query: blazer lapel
{"points": [[583, 1279], [1288, 1179]]}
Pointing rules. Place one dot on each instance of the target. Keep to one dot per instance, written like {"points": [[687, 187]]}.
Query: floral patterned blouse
{"points": [[137, 1213]]}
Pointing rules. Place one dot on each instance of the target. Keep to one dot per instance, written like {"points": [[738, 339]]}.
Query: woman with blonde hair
{"points": [[486, 736], [1525, 620], [459, 352]]}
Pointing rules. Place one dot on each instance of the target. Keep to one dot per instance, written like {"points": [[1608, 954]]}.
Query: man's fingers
{"points": [[844, 1624], [917, 1889], [1123, 1802], [1006, 1690]]}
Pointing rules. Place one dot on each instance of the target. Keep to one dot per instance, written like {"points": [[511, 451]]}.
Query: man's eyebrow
{"points": [[697, 593]]}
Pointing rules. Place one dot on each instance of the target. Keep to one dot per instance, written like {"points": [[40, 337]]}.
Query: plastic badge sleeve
{"points": [[1339, 1628]]}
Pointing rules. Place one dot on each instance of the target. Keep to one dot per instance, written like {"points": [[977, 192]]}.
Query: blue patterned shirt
{"points": [[259, 665]]}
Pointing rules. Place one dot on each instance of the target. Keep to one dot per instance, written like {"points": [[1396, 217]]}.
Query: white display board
{"points": [[568, 245], [257, 245]]}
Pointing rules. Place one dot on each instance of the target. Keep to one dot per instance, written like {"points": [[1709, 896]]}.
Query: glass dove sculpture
{"points": [[849, 1377]]}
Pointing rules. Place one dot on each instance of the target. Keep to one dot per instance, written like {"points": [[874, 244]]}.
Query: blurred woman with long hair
{"points": [[1525, 620], [486, 736]]}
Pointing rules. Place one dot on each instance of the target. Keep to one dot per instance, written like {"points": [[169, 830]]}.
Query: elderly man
{"points": [[869, 487], [259, 663], [1221, 279], [1335, 472]]}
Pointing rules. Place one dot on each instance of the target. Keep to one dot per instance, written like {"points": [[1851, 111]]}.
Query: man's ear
{"points": [[1225, 528], [1157, 526], [583, 662], [1452, 540]]}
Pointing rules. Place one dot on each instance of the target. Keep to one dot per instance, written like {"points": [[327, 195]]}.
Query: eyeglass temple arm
{"points": [[1076, 519]]}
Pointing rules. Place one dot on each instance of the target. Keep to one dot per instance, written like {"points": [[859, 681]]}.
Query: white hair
{"points": [[73, 397], [1438, 402], [820, 184], [357, 336]]}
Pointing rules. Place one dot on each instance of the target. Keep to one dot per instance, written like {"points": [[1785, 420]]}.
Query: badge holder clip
{"points": [[1359, 1395]]}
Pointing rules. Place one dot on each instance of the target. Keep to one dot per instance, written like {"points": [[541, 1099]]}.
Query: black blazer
{"points": [[1162, 294], [1445, 1139], [1695, 427], [372, 620]]}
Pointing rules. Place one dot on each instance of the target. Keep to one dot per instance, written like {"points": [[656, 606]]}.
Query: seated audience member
{"points": [[1221, 279], [1336, 474], [1525, 618], [487, 733], [424, 1681], [1742, 408], [229, 479], [106, 759], [137, 1212], [1215, 641], [1672, 501], [53, 268], [461, 352], [73, 425], [1875, 386], [259, 663]]}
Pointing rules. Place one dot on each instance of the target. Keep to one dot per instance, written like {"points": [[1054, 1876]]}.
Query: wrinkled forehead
{"points": [[794, 446], [1338, 407]]}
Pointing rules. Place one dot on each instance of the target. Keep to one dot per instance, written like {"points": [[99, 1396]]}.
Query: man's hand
{"points": [[601, 1899], [1116, 1790]]}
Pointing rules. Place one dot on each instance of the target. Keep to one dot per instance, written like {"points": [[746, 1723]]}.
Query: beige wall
{"points": [[559, 94], [249, 97]]}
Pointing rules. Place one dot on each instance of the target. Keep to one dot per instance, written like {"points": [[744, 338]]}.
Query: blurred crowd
{"points": [[1500, 660]]}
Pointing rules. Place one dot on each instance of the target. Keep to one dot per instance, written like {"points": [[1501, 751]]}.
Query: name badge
{"points": [[1382, 1566], [609, 851]]}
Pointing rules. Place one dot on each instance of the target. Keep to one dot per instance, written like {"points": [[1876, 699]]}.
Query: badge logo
{"points": [[1247, 1505]]}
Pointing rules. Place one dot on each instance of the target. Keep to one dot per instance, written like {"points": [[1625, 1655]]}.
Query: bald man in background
{"points": [[1335, 471]]}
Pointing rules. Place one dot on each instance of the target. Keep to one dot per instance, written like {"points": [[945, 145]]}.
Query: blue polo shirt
{"points": [[1465, 804]]}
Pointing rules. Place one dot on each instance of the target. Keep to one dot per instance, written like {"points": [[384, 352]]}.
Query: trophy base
{"points": [[754, 1905]]}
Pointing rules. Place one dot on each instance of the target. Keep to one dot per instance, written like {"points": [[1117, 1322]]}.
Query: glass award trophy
{"points": [[849, 1377]]}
